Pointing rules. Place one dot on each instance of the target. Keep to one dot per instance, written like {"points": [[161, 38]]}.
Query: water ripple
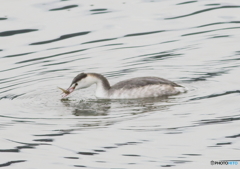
{"points": [[216, 95], [143, 33], [217, 23], [3, 19], [100, 40], [62, 38], [233, 136], [63, 8], [51, 56], [218, 121], [99, 11], [202, 11], [196, 33], [187, 2], [21, 54], [11, 97], [11, 162], [206, 76], [14, 32]]}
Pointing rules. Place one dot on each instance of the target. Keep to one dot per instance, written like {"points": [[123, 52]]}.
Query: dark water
{"points": [[44, 44]]}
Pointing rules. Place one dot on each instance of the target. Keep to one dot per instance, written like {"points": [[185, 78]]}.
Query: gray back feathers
{"points": [[143, 81]]}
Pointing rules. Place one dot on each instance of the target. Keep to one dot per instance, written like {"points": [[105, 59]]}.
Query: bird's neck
{"points": [[102, 85]]}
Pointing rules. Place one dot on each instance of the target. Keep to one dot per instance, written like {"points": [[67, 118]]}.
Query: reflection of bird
{"points": [[139, 87]]}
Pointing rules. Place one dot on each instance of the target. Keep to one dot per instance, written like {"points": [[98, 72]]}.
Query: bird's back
{"points": [[143, 81]]}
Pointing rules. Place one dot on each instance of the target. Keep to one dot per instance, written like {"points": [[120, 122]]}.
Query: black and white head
{"points": [[82, 80]]}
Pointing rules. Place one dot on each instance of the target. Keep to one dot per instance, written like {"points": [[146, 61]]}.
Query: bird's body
{"points": [[140, 87]]}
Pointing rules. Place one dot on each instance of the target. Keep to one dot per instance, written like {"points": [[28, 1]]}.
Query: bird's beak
{"points": [[68, 91]]}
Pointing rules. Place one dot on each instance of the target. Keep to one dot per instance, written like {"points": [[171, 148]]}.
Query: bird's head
{"points": [[82, 80]]}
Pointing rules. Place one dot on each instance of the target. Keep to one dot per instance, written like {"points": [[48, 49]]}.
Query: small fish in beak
{"points": [[64, 91], [73, 85], [68, 91]]}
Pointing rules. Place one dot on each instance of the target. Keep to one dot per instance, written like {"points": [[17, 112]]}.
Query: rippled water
{"points": [[44, 44]]}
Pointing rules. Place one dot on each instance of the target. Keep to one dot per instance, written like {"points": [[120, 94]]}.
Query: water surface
{"points": [[44, 44]]}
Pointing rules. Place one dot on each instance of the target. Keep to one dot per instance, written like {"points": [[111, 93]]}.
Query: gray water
{"points": [[44, 44]]}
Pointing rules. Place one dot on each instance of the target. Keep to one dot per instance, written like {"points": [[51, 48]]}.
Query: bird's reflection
{"points": [[92, 107], [102, 107]]}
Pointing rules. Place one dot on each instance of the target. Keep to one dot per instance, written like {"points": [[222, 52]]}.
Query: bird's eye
{"points": [[76, 84]]}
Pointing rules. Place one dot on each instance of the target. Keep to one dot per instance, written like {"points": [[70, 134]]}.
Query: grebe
{"points": [[140, 87]]}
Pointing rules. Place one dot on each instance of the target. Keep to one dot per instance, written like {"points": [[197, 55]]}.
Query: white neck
{"points": [[101, 92], [102, 85]]}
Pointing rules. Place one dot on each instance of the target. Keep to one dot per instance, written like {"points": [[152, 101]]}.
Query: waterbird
{"points": [[139, 87]]}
